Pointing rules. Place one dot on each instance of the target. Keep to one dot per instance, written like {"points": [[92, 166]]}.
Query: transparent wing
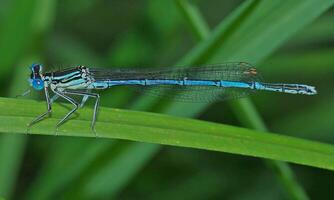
{"points": [[194, 93], [228, 71]]}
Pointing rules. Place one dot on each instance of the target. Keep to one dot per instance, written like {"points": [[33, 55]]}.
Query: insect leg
{"points": [[69, 99], [49, 109], [54, 98], [83, 101], [85, 97]]}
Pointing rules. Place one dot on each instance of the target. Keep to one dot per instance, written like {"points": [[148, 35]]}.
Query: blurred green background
{"points": [[160, 33]]}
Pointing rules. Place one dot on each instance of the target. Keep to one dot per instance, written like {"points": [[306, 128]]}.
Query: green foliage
{"points": [[151, 33]]}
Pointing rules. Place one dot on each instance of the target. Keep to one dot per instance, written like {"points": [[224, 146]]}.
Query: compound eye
{"points": [[38, 84], [36, 68]]}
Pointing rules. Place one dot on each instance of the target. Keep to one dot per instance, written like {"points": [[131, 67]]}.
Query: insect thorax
{"points": [[75, 78]]}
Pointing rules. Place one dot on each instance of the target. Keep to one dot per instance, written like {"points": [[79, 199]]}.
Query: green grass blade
{"points": [[248, 40], [194, 18], [321, 31], [162, 129], [124, 166]]}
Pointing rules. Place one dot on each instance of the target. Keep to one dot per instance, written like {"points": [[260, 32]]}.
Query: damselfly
{"points": [[221, 81]]}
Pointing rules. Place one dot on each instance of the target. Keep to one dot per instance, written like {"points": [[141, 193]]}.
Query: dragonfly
{"points": [[195, 84]]}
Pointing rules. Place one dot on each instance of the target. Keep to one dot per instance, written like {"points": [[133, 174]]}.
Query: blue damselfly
{"points": [[212, 82]]}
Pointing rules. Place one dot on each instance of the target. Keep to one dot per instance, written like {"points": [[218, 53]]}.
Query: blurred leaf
{"points": [[11, 154], [49, 181], [306, 63], [202, 185], [247, 40], [320, 31], [44, 17], [127, 160], [166, 21], [69, 51], [130, 49], [194, 18], [15, 32], [308, 122], [75, 8]]}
